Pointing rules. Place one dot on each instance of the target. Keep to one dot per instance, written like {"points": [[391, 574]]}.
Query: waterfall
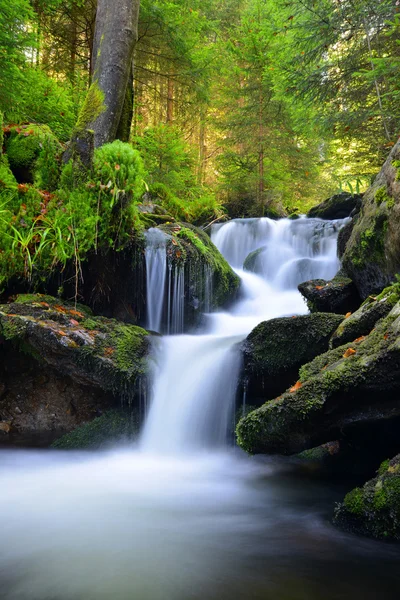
{"points": [[181, 516], [156, 275], [196, 376]]}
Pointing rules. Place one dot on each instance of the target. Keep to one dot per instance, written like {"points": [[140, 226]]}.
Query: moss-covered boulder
{"points": [[372, 255], [336, 296], [34, 154], [362, 321], [374, 510], [338, 206], [208, 277], [250, 263], [93, 351], [114, 426], [340, 391], [275, 350]]}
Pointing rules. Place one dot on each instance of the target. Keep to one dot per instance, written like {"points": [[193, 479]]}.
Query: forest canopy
{"points": [[247, 106]]}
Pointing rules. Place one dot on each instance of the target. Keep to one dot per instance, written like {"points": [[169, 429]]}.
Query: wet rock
{"points": [[339, 393], [93, 351], [338, 206], [275, 350], [336, 296], [344, 236], [250, 264], [374, 510], [372, 255], [362, 321]]}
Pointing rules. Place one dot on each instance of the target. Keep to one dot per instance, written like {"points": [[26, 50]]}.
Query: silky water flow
{"points": [[183, 514]]}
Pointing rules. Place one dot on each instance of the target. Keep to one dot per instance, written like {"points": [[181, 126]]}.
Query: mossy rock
{"points": [[94, 351], [374, 510], [275, 350], [338, 206], [372, 255], [339, 295], [25, 146], [343, 389], [114, 426], [191, 249], [362, 321], [250, 263]]}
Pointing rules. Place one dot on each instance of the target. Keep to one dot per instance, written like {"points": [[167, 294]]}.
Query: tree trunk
{"points": [[114, 42], [125, 122], [170, 100]]}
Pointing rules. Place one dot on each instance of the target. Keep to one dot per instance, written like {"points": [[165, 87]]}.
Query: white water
{"points": [[156, 275], [180, 517], [195, 386]]}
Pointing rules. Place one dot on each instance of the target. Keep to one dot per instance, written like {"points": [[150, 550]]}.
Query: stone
{"points": [[338, 296], [275, 350], [338, 206], [339, 394], [372, 255]]}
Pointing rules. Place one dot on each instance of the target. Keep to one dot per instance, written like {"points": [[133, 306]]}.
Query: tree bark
{"points": [[113, 47]]}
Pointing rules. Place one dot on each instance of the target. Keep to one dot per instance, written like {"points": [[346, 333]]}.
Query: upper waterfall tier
{"points": [[286, 252]]}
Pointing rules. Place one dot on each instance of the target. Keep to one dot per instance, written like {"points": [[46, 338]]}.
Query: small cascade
{"points": [[208, 288], [156, 277], [176, 300], [288, 252], [196, 381]]}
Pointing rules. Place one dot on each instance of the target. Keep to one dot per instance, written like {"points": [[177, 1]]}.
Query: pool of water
{"points": [[125, 525]]}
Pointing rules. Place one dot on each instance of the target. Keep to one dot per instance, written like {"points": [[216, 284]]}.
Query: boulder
{"points": [[250, 263], [341, 391], [338, 206], [336, 296], [362, 321], [372, 255], [190, 248], [374, 510], [275, 350], [344, 236], [93, 351]]}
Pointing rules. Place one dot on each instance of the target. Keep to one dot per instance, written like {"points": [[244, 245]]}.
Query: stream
{"points": [[184, 514]]}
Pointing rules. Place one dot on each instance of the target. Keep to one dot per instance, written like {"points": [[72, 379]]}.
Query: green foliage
{"points": [[170, 165], [42, 99], [34, 153], [40, 230]]}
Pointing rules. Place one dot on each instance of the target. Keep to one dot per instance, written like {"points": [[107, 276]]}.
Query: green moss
{"points": [[381, 195], [92, 108], [128, 341], [26, 142], [383, 467], [371, 246], [7, 179], [376, 508], [112, 427], [286, 424], [12, 329], [354, 501], [90, 324]]}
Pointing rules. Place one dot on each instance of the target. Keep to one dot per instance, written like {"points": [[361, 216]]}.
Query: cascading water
{"points": [[182, 516], [156, 274], [196, 383]]}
